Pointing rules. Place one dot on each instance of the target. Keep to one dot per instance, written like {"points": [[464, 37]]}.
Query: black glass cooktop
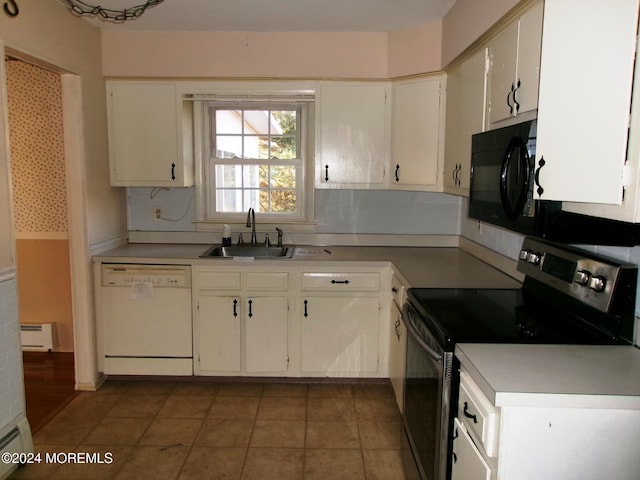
{"points": [[499, 316]]}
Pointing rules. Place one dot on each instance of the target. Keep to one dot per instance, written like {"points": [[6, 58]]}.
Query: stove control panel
{"points": [[589, 278]]}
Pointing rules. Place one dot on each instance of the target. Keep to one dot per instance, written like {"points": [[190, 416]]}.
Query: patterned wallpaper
{"points": [[37, 148]]}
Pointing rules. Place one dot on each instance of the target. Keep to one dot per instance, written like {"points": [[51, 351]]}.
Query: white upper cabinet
{"points": [[150, 142], [466, 87], [352, 135], [417, 133], [586, 78], [514, 56]]}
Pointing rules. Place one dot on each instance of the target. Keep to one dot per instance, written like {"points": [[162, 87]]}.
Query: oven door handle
{"points": [[438, 357]]}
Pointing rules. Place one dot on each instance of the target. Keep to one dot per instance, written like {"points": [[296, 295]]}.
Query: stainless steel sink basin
{"points": [[255, 251]]}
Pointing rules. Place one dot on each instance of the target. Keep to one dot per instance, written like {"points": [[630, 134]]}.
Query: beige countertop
{"points": [[428, 267], [549, 376]]}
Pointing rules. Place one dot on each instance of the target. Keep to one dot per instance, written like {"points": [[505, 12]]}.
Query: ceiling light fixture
{"points": [[108, 14]]}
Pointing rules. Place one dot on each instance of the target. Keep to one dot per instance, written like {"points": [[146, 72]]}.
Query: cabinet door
{"points": [[417, 131], [397, 353], [339, 335], [467, 462], [585, 92], [515, 66], [266, 329], [466, 87], [146, 137], [219, 333], [352, 135], [503, 55]]}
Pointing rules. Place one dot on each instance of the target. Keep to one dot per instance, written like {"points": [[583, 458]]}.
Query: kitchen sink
{"points": [[254, 251]]}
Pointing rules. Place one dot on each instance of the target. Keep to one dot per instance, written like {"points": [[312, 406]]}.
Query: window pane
{"points": [[282, 176], [285, 121], [228, 146], [257, 122], [283, 201], [283, 147], [252, 200], [229, 201], [228, 121], [256, 146], [228, 176], [251, 176]]}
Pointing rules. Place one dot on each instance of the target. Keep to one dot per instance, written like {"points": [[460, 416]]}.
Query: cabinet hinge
{"points": [[488, 60], [627, 175]]}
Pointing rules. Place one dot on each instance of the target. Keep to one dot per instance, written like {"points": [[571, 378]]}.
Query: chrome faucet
{"points": [[251, 222]]}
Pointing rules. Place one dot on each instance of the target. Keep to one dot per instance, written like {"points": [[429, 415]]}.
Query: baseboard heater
{"points": [[15, 439], [37, 337]]}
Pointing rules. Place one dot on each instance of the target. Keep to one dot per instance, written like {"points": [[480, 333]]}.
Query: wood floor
{"points": [[49, 380]]}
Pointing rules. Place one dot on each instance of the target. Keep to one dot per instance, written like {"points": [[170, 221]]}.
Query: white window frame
{"points": [[203, 138]]}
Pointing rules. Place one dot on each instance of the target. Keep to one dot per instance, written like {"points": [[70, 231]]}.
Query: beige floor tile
{"points": [[241, 389], [171, 431], [117, 431], [279, 433], [152, 387], [274, 463], [225, 432], [285, 390], [330, 390], [283, 408], [370, 390], [89, 405], [153, 463], [41, 470], [323, 464], [112, 458], [183, 406], [380, 434], [377, 409], [62, 431], [213, 463], [234, 407], [196, 388], [383, 465], [331, 409], [138, 406], [332, 435]]}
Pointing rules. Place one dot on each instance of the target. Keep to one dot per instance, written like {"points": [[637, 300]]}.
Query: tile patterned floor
{"points": [[226, 430]]}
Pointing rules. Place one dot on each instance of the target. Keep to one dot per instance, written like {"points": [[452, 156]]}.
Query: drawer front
{"points": [[219, 281], [338, 282], [268, 281], [479, 415]]}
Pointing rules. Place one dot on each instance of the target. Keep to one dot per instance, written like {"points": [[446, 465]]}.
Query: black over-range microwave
{"points": [[502, 193]]}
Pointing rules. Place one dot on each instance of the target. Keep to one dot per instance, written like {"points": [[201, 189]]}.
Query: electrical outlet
{"points": [[158, 213]]}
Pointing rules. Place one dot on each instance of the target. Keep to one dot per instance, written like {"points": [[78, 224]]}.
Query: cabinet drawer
{"points": [[479, 415], [219, 281], [268, 281], [328, 281]]}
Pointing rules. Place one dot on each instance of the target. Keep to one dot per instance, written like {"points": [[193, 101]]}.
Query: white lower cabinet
{"points": [[339, 335], [266, 334], [218, 334], [241, 332], [468, 463], [290, 322]]}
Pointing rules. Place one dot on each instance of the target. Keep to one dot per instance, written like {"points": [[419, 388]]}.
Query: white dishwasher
{"points": [[145, 325]]}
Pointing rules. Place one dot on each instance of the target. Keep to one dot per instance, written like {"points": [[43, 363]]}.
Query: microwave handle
{"points": [[514, 210]]}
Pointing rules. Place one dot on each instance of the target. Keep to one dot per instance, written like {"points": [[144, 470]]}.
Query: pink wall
{"points": [[272, 54], [467, 20], [244, 54], [415, 50]]}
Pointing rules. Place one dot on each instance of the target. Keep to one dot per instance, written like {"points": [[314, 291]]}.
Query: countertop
{"points": [[564, 376], [428, 267]]}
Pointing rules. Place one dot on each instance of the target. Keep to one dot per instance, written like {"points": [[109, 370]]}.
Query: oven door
{"points": [[427, 402]]}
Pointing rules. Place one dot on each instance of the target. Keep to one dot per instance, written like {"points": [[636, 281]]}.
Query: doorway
{"points": [[34, 98]]}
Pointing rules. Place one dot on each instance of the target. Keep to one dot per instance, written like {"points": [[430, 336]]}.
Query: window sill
{"points": [[291, 226]]}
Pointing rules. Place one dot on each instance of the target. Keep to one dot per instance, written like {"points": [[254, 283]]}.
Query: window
{"points": [[255, 158]]}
